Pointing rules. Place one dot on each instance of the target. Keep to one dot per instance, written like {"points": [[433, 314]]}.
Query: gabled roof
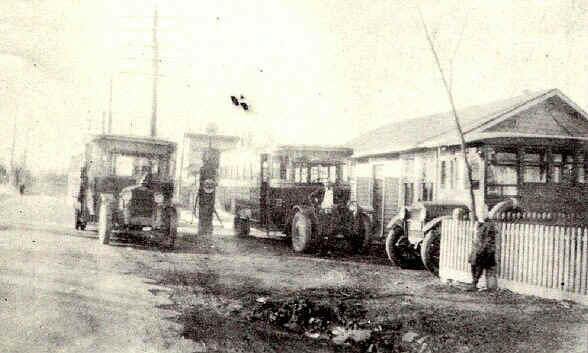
{"points": [[439, 129]]}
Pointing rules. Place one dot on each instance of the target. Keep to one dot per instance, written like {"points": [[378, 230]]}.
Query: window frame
{"points": [[494, 161], [541, 163]]}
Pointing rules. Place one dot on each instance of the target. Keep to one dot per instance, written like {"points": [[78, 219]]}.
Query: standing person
{"points": [[483, 255]]}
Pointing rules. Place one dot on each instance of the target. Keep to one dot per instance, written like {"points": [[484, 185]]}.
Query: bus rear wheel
{"points": [[430, 251], [398, 249]]}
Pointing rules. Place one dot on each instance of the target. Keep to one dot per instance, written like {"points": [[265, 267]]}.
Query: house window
{"points": [[474, 161], [502, 175], [562, 167], [582, 169], [428, 179], [452, 173], [427, 191], [535, 166], [443, 173]]}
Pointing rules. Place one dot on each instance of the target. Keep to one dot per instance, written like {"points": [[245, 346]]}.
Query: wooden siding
{"points": [[533, 259], [391, 194], [554, 197], [362, 192]]}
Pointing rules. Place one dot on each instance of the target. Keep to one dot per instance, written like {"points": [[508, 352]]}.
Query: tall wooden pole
{"points": [[155, 77]]}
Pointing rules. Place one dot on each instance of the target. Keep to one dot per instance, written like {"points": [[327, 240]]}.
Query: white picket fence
{"points": [[536, 259]]}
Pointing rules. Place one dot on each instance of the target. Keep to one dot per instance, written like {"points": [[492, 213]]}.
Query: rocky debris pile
{"points": [[343, 323], [307, 316]]}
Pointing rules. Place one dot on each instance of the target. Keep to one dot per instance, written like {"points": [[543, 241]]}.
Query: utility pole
{"points": [[110, 109], [155, 77]]}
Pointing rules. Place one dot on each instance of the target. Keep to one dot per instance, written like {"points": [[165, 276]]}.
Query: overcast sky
{"points": [[313, 71]]}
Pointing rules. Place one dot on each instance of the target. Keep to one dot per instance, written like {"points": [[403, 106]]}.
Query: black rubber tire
{"points": [[302, 238], [360, 242], [104, 223], [241, 226], [396, 255], [430, 250]]}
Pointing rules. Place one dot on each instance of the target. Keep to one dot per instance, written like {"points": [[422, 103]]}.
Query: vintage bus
{"points": [[288, 190]]}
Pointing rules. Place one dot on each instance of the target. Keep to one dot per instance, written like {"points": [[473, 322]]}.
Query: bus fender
{"points": [[397, 220], [244, 213], [434, 223], [308, 211], [503, 206]]}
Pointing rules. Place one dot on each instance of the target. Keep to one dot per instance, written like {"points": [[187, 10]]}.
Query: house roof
{"points": [[439, 129]]}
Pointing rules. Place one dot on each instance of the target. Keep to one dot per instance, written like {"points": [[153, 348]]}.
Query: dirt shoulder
{"points": [[256, 295]]}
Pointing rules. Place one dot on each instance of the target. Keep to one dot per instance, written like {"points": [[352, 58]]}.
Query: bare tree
{"points": [[448, 89]]}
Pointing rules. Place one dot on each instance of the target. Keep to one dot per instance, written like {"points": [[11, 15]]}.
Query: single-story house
{"points": [[532, 148]]}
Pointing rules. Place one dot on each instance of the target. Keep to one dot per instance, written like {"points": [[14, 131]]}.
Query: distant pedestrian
{"points": [[483, 255], [21, 189]]}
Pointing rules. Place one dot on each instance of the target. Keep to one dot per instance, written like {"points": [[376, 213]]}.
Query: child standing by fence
{"points": [[483, 255]]}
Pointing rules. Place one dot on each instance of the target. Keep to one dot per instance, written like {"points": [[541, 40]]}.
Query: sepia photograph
{"points": [[374, 176]]}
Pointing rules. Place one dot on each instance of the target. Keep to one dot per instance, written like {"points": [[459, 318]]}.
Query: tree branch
{"points": [[455, 115], [457, 45]]}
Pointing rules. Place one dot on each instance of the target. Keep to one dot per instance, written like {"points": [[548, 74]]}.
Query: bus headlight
{"points": [[352, 206], [158, 197], [126, 196]]}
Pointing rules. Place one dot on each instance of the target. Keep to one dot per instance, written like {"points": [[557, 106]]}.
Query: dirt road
{"points": [[62, 292]]}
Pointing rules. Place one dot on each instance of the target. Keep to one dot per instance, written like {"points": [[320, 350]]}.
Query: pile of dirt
{"points": [[342, 322]]}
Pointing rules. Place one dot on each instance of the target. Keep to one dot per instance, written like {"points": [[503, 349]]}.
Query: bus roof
{"points": [[314, 154], [132, 139]]}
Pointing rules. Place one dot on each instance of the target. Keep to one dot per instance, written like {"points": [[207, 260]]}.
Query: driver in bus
{"points": [[328, 201]]}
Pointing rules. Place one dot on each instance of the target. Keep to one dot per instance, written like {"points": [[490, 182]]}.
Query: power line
{"points": [[155, 76]]}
